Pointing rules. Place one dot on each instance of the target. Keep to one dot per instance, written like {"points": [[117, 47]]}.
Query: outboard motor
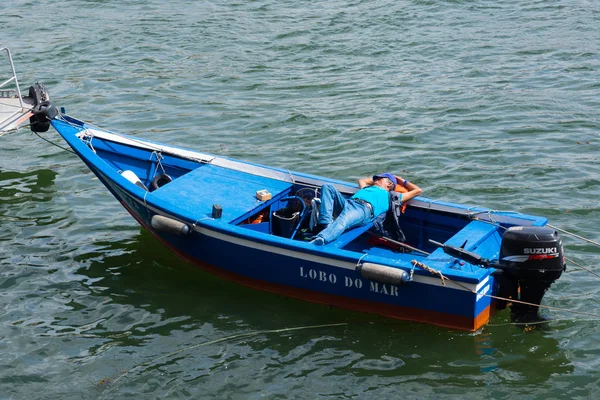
{"points": [[531, 258]]}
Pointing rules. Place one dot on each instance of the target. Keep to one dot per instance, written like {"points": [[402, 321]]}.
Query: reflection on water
{"points": [[152, 294], [113, 307], [532, 356], [24, 208], [112, 314], [17, 187]]}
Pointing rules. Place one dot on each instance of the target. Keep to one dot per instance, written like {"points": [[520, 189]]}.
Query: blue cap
{"points": [[391, 177]]}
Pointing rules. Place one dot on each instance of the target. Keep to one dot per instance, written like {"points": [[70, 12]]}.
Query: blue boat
{"points": [[250, 223]]}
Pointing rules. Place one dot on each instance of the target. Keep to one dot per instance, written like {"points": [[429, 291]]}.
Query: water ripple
{"points": [[485, 103]]}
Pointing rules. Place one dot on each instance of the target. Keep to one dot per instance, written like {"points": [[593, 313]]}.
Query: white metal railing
{"points": [[13, 78]]}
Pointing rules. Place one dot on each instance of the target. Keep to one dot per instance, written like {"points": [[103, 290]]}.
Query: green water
{"points": [[484, 103]]}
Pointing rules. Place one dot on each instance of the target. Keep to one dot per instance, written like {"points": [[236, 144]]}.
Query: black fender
{"points": [[38, 93], [42, 114], [42, 110], [160, 180]]}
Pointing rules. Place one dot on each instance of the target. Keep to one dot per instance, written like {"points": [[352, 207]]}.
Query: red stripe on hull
{"points": [[386, 310]]}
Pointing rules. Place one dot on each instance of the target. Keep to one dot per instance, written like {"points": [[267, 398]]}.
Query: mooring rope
{"points": [[224, 339], [491, 222], [159, 158], [527, 324], [558, 229], [358, 263], [9, 131], [54, 144], [574, 235], [582, 267], [435, 272], [13, 130]]}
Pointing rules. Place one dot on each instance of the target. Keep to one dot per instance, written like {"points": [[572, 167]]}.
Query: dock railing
{"points": [[13, 78]]}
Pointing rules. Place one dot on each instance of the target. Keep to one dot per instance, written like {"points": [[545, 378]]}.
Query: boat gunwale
{"points": [[294, 177]]}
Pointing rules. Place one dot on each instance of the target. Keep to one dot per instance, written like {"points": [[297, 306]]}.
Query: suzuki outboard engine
{"points": [[531, 258]]}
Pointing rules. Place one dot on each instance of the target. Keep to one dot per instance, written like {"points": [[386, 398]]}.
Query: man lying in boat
{"points": [[362, 208]]}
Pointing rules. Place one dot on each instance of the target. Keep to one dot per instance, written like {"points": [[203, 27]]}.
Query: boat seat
{"points": [[350, 235], [474, 234]]}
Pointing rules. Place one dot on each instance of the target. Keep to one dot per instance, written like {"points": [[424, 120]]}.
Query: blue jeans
{"points": [[351, 213]]}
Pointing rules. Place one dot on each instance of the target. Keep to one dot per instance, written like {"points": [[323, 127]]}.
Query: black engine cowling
{"points": [[531, 258]]}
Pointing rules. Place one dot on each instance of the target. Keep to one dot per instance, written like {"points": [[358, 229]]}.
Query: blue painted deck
{"points": [[235, 191], [474, 234]]}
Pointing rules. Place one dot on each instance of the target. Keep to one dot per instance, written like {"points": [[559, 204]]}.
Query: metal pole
{"points": [[12, 67]]}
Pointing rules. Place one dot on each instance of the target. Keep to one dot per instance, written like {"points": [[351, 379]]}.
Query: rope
{"points": [[558, 229], [291, 176], [87, 140], [358, 264], [238, 336], [54, 144], [489, 222], [16, 129], [412, 272], [9, 131], [435, 272], [201, 219], [146, 204], [582, 267], [574, 235], [159, 157], [493, 222], [489, 214], [523, 323]]}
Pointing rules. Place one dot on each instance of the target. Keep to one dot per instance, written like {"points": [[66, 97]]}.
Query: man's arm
{"points": [[413, 190], [364, 182]]}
